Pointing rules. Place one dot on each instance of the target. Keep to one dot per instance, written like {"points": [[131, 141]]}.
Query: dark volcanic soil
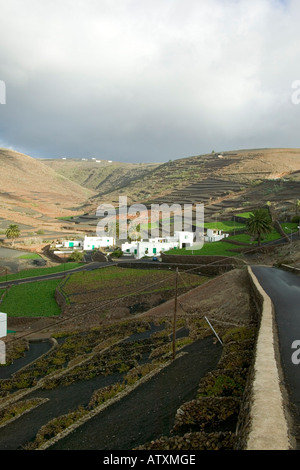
{"points": [[123, 426]]}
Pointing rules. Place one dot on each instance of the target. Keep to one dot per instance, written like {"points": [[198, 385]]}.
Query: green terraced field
{"points": [[34, 299]]}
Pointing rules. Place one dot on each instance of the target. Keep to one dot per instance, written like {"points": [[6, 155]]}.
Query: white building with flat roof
{"points": [[75, 244], [214, 235], [92, 243], [156, 246], [3, 325]]}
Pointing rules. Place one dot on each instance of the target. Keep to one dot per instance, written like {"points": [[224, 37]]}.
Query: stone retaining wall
{"points": [[207, 270], [200, 259], [291, 269], [49, 254], [266, 425], [60, 295]]}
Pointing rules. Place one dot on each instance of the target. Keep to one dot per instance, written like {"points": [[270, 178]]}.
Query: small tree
{"points": [[259, 223], [76, 256], [12, 232]]}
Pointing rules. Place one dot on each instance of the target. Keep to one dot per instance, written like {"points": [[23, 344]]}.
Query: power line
{"points": [[85, 312]]}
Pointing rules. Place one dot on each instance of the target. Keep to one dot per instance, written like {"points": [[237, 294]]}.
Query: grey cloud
{"points": [[148, 81]]}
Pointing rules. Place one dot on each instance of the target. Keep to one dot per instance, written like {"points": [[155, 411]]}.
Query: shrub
{"points": [[56, 426], [138, 372], [104, 394], [117, 254], [238, 334], [76, 256], [223, 383]]}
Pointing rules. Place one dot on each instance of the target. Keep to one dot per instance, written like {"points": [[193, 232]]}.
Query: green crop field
{"points": [[211, 249], [115, 282], [35, 299], [222, 248], [287, 227], [246, 215], [30, 256], [226, 225], [34, 272]]}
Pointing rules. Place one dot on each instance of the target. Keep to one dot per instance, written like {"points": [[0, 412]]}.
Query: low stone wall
{"points": [[60, 297], [49, 254], [207, 270], [200, 259], [266, 425], [239, 219], [99, 256], [291, 269], [258, 249]]}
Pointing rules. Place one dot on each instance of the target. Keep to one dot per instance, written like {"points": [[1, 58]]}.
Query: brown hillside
{"points": [[209, 178], [31, 192], [100, 176]]}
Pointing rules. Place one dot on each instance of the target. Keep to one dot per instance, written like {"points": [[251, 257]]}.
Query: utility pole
{"points": [[291, 240], [175, 314]]}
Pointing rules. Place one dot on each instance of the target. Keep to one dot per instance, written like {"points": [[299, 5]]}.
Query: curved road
{"points": [[284, 290], [90, 266], [61, 274]]}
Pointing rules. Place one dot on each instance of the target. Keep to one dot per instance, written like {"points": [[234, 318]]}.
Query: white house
{"points": [[3, 325], [71, 244], [91, 243], [214, 235], [156, 246], [147, 248], [184, 238]]}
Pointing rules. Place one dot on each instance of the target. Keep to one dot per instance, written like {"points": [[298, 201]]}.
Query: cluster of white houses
{"points": [[140, 248], [156, 246]]}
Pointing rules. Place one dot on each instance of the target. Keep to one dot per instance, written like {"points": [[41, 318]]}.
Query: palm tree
{"points": [[12, 232], [259, 223]]}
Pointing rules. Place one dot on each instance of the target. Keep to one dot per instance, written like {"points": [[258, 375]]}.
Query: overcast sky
{"points": [[148, 80]]}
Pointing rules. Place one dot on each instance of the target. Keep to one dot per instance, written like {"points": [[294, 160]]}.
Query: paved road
{"points": [[86, 267], [45, 277], [284, 290]]}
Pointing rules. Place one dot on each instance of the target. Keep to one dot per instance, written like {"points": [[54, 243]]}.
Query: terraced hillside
{"points": [[281, 193], [202, 192], [100, 176], [223, 182], [36, 193]]}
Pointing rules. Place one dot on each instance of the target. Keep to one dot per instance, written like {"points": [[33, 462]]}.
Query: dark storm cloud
{"points": [[141, 80]]}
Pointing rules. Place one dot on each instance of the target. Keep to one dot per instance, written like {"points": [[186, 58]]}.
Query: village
{"points": [[138, 249]]}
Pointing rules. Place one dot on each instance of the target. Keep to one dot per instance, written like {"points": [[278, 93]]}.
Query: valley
{"points": [[107, 334]]}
